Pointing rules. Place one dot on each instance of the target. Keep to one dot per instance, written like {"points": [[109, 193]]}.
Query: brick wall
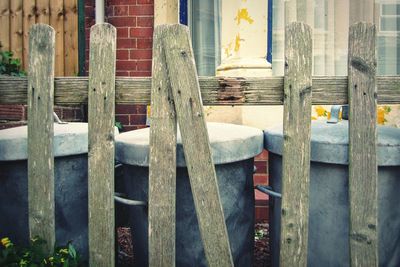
{"points": [[134, 22], [17, 115]]}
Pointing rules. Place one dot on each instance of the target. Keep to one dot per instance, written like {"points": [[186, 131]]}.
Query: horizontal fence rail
{"points": [[214, 90]]}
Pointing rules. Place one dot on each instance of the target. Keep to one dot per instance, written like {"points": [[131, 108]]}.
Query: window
{"points": [[389, 38]]}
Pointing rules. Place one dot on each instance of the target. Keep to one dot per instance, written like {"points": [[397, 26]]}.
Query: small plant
{"points": [[9, 65], [259, 234], [35, 255], [119, 125]]}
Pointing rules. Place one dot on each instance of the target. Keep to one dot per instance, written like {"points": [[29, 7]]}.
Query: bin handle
{"points": [[57, 119], [268, 190], [118, 197]]}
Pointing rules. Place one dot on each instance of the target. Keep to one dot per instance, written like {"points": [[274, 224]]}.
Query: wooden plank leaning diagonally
{"points": [[162, 168], [40, 134], [189, 111], [296, 145], [101, 110], [363, 171]]}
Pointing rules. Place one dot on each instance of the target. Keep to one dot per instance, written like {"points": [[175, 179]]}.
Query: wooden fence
{"points": [[16, 18], [176, 94]]}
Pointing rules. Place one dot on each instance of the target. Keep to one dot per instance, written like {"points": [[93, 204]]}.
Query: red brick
{"points": [[121, 2], [122, 21], [261, 213], [260, 198], [140, 73], [122, 73], [130, 109], [141, 32], [126, 65], [140, 54], [145, 2], [144, 43], [144, 65], [262, 156], [261, 166], [126, 43], [123, 32], [144, 21], [141, 10], [260, 179], [123, 54], [137, 119], [124, 119], [121, 11], [12, 112]]}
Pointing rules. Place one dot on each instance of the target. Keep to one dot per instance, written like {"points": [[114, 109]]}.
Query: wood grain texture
{"points": [[363, 171], [57, 22], [71, 67], [43, 11], [16, 39], [29, 18], [189, 111], [101, 117], [256, 91], [296, 145], [162, 166], [40, 134], [5, 25]]}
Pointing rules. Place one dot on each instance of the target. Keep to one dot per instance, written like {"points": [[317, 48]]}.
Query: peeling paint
{"points": [[243, 14], [237, 42]]}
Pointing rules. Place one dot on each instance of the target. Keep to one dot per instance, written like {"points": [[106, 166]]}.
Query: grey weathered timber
{"points": [[363, 171], [296, 145], [214, 90], [40, 134], [189, 111], [162, 167], [101, 144]]}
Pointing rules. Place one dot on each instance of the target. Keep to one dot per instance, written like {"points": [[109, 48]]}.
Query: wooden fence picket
{"points": [[40, 133], [189, 111], [162, 166], [363, 170], [101, 121], [296, 145]]}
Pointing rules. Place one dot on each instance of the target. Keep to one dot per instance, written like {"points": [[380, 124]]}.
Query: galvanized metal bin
{"points": [[328, 243], [71, 196], [233, 149]]}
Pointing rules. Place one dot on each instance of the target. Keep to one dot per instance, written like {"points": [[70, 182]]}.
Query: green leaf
{"points": [[72, 251]]}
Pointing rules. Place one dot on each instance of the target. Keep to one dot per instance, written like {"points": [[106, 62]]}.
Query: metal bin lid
{"points": [[69, 139], [229, 143], [329, 143]]}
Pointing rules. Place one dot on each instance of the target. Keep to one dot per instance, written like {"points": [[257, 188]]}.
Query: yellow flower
{"points": [[64, 251], [321, 112], [380, 114], [6, 242]]}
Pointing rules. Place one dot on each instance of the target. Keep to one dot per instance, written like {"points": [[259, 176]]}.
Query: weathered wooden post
{"points": [[296, 145], [101, 144], [162, 167], [363, 171], [40, 134]]}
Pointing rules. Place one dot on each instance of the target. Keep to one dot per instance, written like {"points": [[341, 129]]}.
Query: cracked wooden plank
{"points": [[253, 91]]}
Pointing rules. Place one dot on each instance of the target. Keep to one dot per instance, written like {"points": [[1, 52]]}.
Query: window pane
{"points": [[390, 9], [390, 23]]}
